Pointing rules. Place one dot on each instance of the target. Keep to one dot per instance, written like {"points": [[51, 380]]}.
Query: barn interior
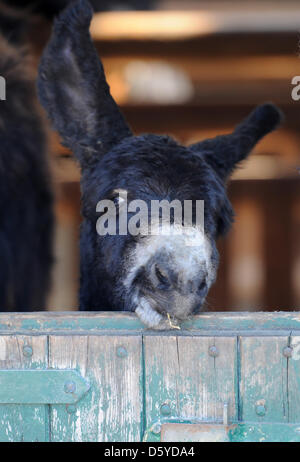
{"points": [[193, 70]]}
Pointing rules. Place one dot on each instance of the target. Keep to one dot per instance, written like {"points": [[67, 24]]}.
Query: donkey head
{"points": [[156, 274]]}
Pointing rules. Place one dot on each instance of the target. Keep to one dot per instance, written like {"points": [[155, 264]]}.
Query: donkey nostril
{"points": [[161, 276], [202, 286]]}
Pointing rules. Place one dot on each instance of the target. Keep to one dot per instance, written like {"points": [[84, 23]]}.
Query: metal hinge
{"points": [[50, 386]]}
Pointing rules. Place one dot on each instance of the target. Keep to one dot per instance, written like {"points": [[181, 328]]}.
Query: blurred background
{"points": [[194, 69]]}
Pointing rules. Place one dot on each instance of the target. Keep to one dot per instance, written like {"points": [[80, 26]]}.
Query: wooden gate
{"points": [[104, 377]]}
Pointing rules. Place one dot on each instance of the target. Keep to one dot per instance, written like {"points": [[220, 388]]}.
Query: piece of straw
{"points": [[170, 322]]}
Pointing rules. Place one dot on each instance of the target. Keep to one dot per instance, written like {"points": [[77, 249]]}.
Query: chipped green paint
{"points": [[24, 423], [100, 322], [141, 379], [41, 386], [265, 432], [264, 372], [112, 409]]}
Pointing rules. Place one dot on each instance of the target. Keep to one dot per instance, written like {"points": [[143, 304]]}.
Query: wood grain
{"points": [[112, 409], [294, 380], [180, 372], [263, 379], [30, 422]]}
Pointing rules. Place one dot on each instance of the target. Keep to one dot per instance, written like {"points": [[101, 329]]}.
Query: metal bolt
{"points": [[156, 429], [287, 352], [213, 351], [70, 387], [71, 408], [165, 409], [260, 409], [121, 352], [27, 351]]}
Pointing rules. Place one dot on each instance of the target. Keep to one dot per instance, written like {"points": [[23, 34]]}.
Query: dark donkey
{"points": [[26, 200], [157, 276]]}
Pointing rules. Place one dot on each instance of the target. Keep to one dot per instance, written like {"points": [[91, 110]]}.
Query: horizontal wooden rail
{"points": [[161, 25], [98, 322]]}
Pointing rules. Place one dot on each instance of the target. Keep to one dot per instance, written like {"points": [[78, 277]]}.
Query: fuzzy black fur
{"points": [[13, 24], [223, 152], [26, 216], [50, 8], [74, 92]]}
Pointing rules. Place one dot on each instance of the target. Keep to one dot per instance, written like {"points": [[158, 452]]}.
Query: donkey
{"points": [[158, 276], [26, 202], [50, 8]]}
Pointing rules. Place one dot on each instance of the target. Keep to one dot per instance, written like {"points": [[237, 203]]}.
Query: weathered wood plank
{"points": [[211, 379], [101, 322], [263, 385], [23, 422], [112, 409], [161, 377], [184, 381], [294, 380]]}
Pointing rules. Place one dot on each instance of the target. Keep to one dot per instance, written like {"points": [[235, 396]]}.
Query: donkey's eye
{"points": [[119, 196], [118, 201], [161, 277]]}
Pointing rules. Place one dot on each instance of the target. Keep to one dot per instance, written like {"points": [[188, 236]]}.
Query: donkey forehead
{"points": [[154, 161], [146, 149]]}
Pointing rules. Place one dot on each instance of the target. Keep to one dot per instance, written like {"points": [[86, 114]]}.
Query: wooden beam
{"points": [[93, 323], [175, 25]]}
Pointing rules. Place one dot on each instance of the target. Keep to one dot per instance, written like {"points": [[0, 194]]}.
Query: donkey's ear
{"points": [[224, 152], [73, 89]]}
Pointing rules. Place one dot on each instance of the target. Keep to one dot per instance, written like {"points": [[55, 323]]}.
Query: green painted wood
{"points": [[112, 409], [140, 378], [265, 433], [185, 381], [93, 322], [294, 380], [264, 375], [41, 386], [23, 422]]}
